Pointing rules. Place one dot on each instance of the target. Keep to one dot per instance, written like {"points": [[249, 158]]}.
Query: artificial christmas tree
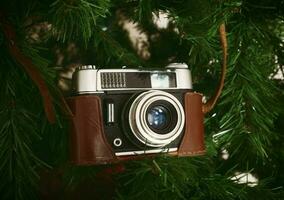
{"points": [[42, 42]]}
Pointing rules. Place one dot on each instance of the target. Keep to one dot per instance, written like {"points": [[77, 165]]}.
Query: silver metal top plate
{"points": [[88, 79]]}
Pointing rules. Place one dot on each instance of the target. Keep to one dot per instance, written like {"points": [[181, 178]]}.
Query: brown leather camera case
{"points": [[88, 142], [193, 139]]}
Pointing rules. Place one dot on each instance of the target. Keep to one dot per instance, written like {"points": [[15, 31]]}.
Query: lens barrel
{"points": [[156, 118]]}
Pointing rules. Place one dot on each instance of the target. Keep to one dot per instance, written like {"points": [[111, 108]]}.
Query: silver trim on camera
{"points": [[138, 123], [129, 153], [110, 113], [88, 79], [117, 142]]}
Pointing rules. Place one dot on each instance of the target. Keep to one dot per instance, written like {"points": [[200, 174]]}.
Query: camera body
{"points": [[122, 114]]}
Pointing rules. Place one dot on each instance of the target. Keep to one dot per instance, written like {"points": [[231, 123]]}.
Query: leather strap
{"points": [[208, 106], [31, 70], [28, 66]]}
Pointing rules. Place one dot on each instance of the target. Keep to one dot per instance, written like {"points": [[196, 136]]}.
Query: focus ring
{"points": [[138, 121]]}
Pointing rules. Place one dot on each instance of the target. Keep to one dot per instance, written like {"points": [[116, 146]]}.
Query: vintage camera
{"points": [[121, 114]]}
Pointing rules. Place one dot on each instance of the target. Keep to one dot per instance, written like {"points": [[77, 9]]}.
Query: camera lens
{"points": [[158, 117], [161, 117]]}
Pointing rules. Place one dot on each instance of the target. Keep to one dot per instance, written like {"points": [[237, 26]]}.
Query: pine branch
{"points": [[145, 11], [249, 99], [76, 20], [17, 134], [19, 113], [115, 51], [176, 178]]}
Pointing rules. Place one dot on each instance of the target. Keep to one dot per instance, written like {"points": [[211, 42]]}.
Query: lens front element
{"points": [[156, 118]]}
